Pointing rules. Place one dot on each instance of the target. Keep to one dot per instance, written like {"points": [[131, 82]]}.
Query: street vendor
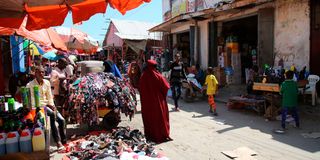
{"points": [[46, 99]]}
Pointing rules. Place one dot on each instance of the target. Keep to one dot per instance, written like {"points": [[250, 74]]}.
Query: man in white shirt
{"points": [[46, 99]]}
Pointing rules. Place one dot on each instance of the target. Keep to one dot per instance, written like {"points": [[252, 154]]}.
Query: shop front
{"points": [[315, 38], [183, 46], [238, 46]]}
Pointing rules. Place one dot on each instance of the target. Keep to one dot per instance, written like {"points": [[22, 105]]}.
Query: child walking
{"points": [[289, 92], [211, 84]]}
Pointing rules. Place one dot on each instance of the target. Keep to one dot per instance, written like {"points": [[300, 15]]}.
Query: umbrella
{"points": [[34, 49], [45, 13], [46, 37], [77, 40], [52, 55]]}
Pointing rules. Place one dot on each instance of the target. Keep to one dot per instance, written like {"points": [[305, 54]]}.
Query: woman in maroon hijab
{"points": [[154, 107]]}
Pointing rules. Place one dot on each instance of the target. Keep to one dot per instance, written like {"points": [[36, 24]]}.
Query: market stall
{"points": [[101, 95], [23, 127]]}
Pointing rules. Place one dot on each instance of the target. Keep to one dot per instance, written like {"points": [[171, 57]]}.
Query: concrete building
{"points": [[277, 30]]}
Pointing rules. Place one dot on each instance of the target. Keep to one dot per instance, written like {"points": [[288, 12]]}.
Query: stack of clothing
{"points": [[100, 90]]}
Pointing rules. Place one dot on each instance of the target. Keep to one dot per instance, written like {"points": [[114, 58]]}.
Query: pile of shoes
{"points": [[100, 90], [121, 143]]}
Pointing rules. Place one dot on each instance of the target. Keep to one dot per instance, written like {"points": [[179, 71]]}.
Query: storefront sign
{"points": [[166, 9], [206, 4]]}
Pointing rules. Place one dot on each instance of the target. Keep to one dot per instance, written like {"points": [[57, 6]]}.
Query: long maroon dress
{"points": [[154, 107]]}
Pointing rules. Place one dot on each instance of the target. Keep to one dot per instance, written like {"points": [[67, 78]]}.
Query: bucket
{"points": [[12, 144], [2, 144], [38, 140], [25, 141]]}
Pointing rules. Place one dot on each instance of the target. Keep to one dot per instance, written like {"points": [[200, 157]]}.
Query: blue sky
{"points": [[96, 26]]}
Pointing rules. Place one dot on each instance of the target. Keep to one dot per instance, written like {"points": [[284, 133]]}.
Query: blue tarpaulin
{"points": [[18, 57]]}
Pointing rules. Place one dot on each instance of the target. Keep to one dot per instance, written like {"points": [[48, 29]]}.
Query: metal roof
{"points": [[135, 30]]}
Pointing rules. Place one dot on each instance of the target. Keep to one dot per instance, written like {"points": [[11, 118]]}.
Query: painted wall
{"points": [[204, 40], [112, 38], [292, 32]]}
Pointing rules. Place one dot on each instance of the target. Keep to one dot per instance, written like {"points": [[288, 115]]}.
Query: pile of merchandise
{"points": [[100, 90], [121, 143]]}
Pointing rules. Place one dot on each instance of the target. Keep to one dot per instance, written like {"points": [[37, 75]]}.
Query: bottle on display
{"points": [[38, 140], [2, 102], [12, 144], [36, 96], [11, 106], [3, 143], [25, 141], [25, 93]]}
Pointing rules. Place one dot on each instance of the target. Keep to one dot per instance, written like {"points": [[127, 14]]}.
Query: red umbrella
{"points": [[47, 13], [46, 37]]}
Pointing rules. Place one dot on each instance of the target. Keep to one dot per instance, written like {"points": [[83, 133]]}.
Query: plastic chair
{"points": [[311, 88]]}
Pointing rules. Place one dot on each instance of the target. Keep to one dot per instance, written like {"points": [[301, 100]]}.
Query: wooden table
{"points": [[270, 90]]}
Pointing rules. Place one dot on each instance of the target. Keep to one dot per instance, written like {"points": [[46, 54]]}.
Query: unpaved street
{"points": [[200, 136]]}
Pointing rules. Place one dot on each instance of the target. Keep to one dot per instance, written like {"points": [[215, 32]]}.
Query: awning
{"points": [[136, 45], [47, 13], [207, 13]]}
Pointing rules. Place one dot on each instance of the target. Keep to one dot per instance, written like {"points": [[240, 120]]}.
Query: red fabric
{"points": [[125, 5], [11, 22], [154, 107], [45, 16], [90, 7], [6, 31]]}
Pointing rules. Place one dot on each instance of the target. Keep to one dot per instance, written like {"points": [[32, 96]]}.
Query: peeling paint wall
{"points": [[292, 32]]}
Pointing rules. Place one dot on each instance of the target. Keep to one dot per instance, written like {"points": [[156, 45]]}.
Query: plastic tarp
{"points": [[18, 60], [136, 45], [77, 40]]}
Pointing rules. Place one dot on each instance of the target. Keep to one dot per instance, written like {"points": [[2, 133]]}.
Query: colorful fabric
{"points": [[211, 83], [289, 92], [100, 90], [154, 107]]}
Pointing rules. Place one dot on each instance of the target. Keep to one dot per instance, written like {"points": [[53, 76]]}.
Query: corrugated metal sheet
{"points": [[135, 30]]}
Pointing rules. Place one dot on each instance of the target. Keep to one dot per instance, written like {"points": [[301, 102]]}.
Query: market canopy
{"points": [[46, 13], [45, 37], [77, 40]]}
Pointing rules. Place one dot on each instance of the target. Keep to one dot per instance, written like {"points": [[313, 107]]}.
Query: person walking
{"points": [[211, 84], [176, 76], [289, 92], [153, 89]]}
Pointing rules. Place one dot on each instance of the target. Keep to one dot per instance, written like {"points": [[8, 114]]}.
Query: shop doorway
{"points": [[240, 40], [183, 45], [315, 39]]}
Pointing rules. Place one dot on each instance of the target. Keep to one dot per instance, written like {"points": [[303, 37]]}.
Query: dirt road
{"points": [[200, 136]]}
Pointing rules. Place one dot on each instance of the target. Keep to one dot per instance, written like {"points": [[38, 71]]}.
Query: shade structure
{"points": [[34, 49], [46, 37], [47, 13], [52, 55], [77, 40]]}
